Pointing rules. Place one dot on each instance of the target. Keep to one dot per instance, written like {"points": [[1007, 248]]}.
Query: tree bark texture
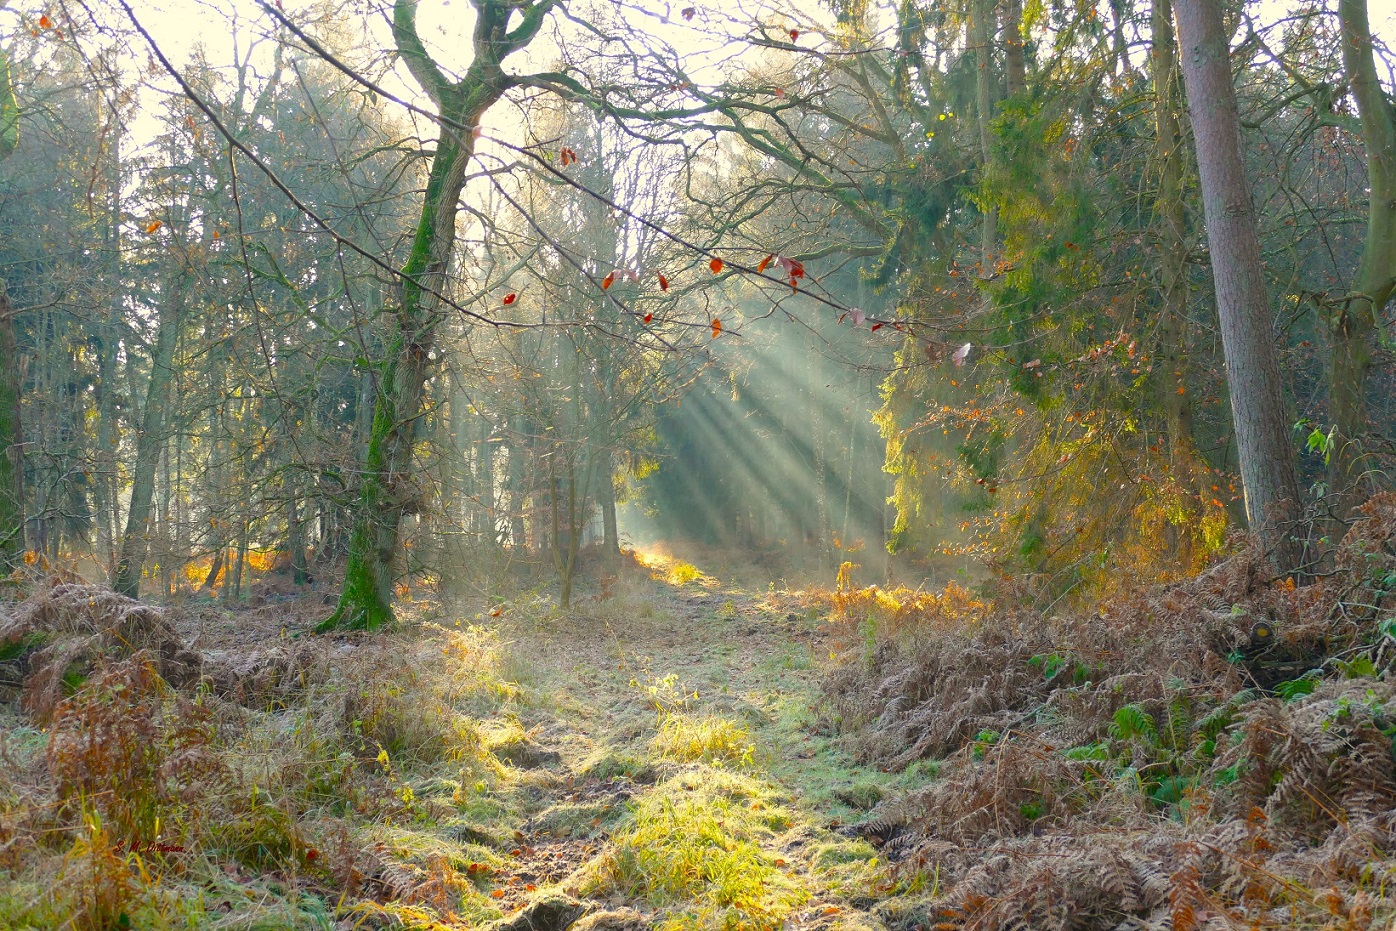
{"points": [[1258, 408]]}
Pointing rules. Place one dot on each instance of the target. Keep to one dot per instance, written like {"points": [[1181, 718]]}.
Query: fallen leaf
{"points": [[497, 894]]}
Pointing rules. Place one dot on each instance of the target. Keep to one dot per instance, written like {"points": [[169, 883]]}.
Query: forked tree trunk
{"points": [[1258, 409], [387, 493]]}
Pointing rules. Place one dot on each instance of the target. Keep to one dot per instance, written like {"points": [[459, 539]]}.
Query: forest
{"points": [[769, 465]]}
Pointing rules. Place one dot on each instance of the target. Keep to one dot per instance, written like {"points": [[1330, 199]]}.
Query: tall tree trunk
{"points": [[295, 528], [1170, 380], [484, 458], [1258, 409], [518, 537], [981, 32], [150, 441], [1352, 324], [610, 530], [11, 442], [11, 425]]}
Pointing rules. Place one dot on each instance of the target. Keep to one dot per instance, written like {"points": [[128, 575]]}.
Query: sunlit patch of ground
{"points": [[665, 567]]}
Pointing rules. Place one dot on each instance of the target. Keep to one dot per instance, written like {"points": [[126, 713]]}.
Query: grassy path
{"points": [[692, 787]]}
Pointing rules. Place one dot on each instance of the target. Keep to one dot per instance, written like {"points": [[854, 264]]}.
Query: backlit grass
{"points": [[687, 738], [693, 847]]}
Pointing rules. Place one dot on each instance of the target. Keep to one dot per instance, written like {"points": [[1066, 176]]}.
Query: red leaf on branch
{"points": [[649, 317], [153, 225], [794, 35], [663, 283], [608, 281], [510, 298], [765, 263], [717, 328], [45, 22], [715, 265]]}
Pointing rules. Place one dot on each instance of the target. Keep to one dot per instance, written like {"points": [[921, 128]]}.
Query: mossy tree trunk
{"points": [[387, 491]]}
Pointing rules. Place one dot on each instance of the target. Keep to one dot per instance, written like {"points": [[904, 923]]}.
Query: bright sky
{"points": [[179, 25]]}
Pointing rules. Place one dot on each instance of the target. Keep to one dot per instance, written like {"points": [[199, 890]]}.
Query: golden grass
{"points": [[685, 738]]}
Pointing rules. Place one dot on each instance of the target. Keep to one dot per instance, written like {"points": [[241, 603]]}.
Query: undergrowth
{"points": [[1216, 752], [289, 785]]}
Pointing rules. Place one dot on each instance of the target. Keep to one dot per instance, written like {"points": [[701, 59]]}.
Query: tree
{"points": [[11, 425], [1253, 374], [1354, 321], [386, 493]]}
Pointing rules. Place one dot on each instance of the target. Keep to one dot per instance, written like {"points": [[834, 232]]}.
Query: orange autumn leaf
{"points": [[649, 317], [497, 894], [717, 328], [608, 281], [765, 263], [510, 298], [45, 22], [715, 265], [153, 225], [663, 283]]}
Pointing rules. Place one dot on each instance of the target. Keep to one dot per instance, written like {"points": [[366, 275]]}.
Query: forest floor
{"points": [[653, 758], [680, 752]]}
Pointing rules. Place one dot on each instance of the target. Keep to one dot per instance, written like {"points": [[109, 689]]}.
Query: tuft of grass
{"points": [[687, 738], [694, 846], [681, 573]]}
